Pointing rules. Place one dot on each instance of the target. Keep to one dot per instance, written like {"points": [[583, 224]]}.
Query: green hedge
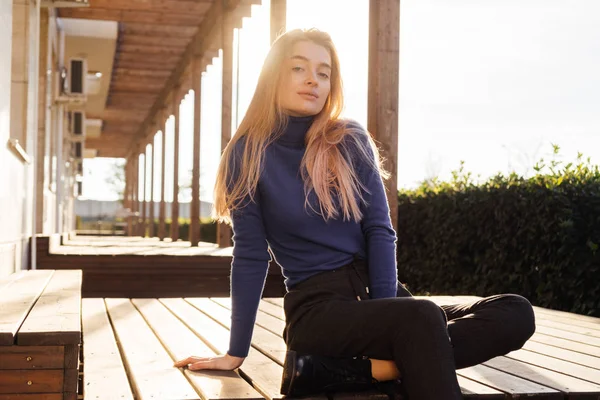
{"points": [[535, 236], [208, 229]]}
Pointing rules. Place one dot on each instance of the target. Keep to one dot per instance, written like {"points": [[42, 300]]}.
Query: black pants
{"points": [[325, 315]]}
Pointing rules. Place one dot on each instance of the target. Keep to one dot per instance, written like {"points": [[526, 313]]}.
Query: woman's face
{"points": [[305, 80]]}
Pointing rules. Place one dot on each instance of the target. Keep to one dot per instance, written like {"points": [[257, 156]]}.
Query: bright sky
{"points": [[491, 82]]}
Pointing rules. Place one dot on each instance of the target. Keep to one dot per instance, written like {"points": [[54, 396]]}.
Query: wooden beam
{"points": [[145, 73], [174, 42], [134, 198], [133, 87], [162, 209], [142, 227], [224, 230], [148, 17], [143, 49], [278, 18], [164, 6], [151, 232], [155, 59], [135, 64], [175, 205], [163, 31], [194, 234], [384, 61]]}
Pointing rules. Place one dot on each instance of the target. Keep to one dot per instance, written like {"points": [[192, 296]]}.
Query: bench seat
{"points": [[40, 335], [133, 343]]}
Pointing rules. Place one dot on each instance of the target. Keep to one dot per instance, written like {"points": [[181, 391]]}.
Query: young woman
{"points": [[298, 179]]}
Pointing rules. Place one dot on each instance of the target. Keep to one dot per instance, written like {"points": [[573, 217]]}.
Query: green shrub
{"points": [[535, 236]]}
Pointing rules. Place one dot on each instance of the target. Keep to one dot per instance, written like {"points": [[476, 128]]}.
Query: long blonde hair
{"points": [[327, 167]]}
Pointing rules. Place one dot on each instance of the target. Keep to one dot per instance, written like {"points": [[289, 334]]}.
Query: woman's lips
{"points": [[308, 96]]}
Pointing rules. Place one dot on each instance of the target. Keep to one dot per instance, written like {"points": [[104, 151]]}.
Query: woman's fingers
{"points": [[204, 364], [190, 360]]}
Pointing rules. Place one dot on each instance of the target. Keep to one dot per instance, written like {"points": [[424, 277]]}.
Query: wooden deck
{"points": [[135, 267], [132, 343]]}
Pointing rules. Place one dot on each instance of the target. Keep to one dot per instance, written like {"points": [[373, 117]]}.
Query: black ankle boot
{"points": [[309, 374]]}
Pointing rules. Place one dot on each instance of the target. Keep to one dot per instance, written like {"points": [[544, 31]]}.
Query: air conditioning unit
{"points": [[77, 123], [65, 3], [71, 82], [77, 150]]}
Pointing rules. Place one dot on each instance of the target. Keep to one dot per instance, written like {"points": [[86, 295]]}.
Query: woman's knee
{"points": [[522, 319], [425, 313]]}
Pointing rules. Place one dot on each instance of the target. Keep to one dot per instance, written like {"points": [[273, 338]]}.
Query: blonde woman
{"points": [[298, 179]]}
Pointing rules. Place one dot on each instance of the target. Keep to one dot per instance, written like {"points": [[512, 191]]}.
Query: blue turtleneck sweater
{"points": [[301, 241]]}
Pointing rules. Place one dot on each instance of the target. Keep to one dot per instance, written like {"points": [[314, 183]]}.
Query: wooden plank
{"points": [[515, 386], [164, 31], [137, 16], [17, 299], [545, 314], [263, 319], [72, 352], [103, 370], [165, 48], [560, 333], [31, 357], [150, 367], [563, 354], [263, 372], [32, 396], [31, 381], [180, 342], [269, 343], [568, 327], [7, 280], [555, 364], [70, 379], [571, 386], [272, 309], [56, 316], [566, 344], [163, 6]]}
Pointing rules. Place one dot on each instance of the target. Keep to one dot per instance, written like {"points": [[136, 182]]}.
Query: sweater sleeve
{"points": [[377, 229], [248, 268]]}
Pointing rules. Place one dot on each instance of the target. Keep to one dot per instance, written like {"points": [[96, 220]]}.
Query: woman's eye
{"points": [[324, 75], [297, 69]]}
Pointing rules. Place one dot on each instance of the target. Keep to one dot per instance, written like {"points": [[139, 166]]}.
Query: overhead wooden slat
{"points": [[164, 49], [164, 31], [16, 300], [133, 87], [135, 64], [56, 316], [173, 42], [176, 6], [146, 58], [103, 371], [179, 341], [130, 72], [148, 17], [150, 367]]}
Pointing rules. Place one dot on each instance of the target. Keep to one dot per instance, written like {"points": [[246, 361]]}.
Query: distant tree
{"points": [[116, 177]]}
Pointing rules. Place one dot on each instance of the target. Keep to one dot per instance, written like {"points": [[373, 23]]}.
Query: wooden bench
{"points": [[130, 345], [40, 335]]}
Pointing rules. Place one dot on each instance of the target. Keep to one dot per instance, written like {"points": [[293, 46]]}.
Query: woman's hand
{"points": [[222, 362]]}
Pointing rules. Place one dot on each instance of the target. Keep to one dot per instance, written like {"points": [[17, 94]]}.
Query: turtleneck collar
{"points": [[295, 133]]}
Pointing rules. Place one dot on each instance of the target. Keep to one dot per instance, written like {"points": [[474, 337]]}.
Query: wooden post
{"points": [[194, 234], [384, 64], [152, 165], [134, 195], [175, 204], [224, 230], [162, 210], [278, 17], [128, 192], [142, 225]]}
